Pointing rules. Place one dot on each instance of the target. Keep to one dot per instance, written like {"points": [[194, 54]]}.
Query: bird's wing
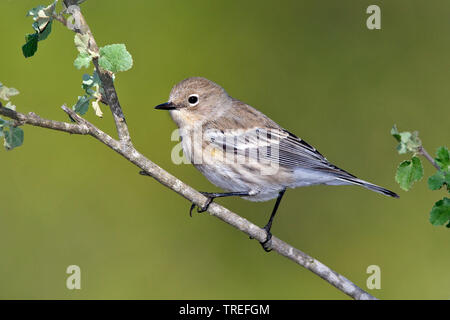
{"points": [[272, 144]]}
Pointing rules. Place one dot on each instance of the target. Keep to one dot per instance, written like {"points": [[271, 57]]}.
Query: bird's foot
{"points": [[205, 206], [266, 244], [199, 210]]}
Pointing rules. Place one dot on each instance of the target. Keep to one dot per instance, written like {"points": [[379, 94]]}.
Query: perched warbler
{"points": [[244, 152]]}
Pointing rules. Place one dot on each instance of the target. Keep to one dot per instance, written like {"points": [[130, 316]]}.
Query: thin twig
{"points": [[34, 120], [427, 156]]}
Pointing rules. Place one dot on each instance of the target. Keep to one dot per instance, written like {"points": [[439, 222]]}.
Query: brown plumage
{"points": [[242, 151]]}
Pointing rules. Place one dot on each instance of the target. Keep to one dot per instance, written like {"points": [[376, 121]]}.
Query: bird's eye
{"points": [[193, 99]]}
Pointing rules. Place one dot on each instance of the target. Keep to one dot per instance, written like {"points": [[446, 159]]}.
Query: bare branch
{"points": [[427, 156], [34, 120], [94, 131]]}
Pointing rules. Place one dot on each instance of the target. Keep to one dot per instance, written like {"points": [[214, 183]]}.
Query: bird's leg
{"points": [[267, 244], [211, 196]]}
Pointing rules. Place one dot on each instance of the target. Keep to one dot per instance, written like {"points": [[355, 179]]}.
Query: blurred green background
{"points": [[312, 66]]}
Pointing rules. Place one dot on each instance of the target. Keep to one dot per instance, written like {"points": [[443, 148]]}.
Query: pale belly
{"points": [[241, 175]]}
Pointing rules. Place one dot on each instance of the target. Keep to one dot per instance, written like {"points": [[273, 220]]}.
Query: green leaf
{"points": [[92, 87], [408, 141], [443, 158], [34, 12], [408, 172], [46, 31], [6, 93], [43, 19], [436, 181], [42, 16], [395, 133], [13, 137], [3, 122], [88, 80], [440, 213], [85, 56], [81, 42], [82, 105], [83, 60], [31, 45], [115, 58], [91, 84]]}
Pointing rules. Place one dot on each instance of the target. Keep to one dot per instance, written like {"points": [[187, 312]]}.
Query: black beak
{"points": [[166, 106]]}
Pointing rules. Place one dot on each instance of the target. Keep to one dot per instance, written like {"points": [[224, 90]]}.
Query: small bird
{"points": [[242, 151]]}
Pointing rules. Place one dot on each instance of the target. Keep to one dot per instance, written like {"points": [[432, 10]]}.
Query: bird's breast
{"points": [[186, 119]]}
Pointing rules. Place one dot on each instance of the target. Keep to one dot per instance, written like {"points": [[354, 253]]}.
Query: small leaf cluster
{"points": [[85, 55], [442, 177], [440, 213], [93, 91], [113, 58], [42, 25], [408, 141], [6, 93], [410, 171], [11, 134]]}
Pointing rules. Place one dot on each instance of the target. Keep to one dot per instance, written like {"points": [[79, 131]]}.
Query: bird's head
{"points": [[195, 100]]}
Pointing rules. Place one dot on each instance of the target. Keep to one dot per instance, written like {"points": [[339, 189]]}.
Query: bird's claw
{"points": [[192, 208], [266, 244], [204, 207]]}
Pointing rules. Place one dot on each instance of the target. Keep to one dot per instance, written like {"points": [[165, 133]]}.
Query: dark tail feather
{"points": [[372, 187]]}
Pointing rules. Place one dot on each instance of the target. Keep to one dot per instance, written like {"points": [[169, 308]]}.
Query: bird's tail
{"points": [[371, 186]]}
